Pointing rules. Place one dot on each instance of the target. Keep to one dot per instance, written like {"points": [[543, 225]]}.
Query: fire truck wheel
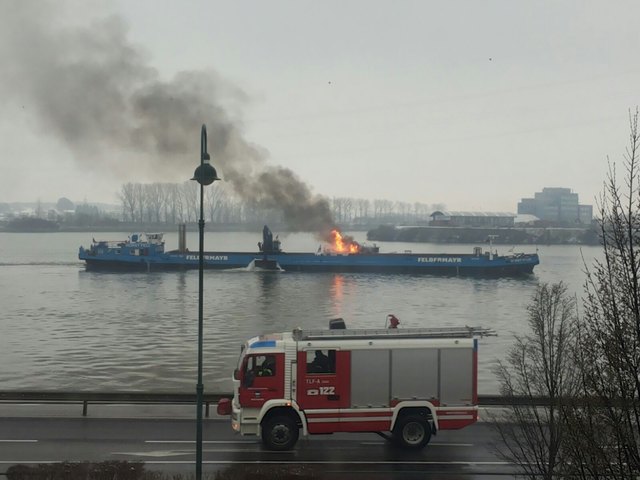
{"points": [[412, 431], [280, 433]]}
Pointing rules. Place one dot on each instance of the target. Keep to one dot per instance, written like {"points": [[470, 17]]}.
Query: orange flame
{"points": [[344, 244]]}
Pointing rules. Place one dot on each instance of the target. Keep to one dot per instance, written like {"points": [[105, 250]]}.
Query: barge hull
{"points": [[381, 263], [145, 252]]}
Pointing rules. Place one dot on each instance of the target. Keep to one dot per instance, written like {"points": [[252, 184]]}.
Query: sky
{"points": [[469, 104]]}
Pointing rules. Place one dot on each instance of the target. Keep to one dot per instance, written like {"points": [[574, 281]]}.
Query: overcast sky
{"points": [[474, 104]]}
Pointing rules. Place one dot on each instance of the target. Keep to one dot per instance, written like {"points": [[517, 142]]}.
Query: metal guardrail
{"points": [[112, 398], [142, 398]]}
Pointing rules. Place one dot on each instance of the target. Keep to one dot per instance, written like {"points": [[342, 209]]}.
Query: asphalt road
{"points": [[168, 445]]}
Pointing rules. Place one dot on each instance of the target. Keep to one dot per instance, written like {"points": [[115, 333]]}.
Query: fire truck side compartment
{"points": [[379, 376], [415, 374], [370, 378], [456, 366]]}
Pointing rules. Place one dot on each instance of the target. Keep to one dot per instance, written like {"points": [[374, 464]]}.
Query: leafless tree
{"points": [[421, 212], [156, 198], [382, 208], [141, 201], [610, 335], [178, 203], [128, 199], [232, 212], [337, 209], [402, 209], [362, 208], [591, 428], [168, 205], [348, 210], [214, 200], [190, 196], [540, 364]]}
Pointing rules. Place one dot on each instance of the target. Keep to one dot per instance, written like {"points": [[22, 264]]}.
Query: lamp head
{"points": [[205, 174]]}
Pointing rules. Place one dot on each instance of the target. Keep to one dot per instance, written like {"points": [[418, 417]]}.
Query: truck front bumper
{"points": [[245, 422]]}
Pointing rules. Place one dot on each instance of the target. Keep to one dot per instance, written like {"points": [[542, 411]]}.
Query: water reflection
{"points": [[181, 284], [336, 290], [269, 282]]}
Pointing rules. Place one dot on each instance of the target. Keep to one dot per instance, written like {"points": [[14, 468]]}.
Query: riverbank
{"points": [[383, 233], [129, 227], [500, 236]]}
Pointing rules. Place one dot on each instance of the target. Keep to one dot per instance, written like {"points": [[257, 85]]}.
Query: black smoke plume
{"points": [[91, 88]]}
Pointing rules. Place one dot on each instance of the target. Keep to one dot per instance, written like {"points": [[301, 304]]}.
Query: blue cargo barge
{"points": [[146, 252]]}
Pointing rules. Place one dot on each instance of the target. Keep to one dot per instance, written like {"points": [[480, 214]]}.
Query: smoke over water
{"points": [[92, 89]]}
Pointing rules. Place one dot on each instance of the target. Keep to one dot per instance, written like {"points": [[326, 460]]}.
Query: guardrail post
{"points": [[206, 410], [85, 405]]}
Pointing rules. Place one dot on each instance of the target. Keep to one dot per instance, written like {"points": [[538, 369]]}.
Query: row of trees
{"points": [[174, 203], [584, 362]]}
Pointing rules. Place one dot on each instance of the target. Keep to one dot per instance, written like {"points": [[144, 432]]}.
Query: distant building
{"points": [[585, 214], [472, 219], [557, 205]]}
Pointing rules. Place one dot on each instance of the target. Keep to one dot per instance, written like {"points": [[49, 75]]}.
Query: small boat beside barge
{"points": [[146, 252]]}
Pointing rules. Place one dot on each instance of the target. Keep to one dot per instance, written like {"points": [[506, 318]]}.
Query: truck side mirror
{"points": [[224, 406]]}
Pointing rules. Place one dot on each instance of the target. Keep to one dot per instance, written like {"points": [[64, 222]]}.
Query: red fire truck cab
{"points": [[406, 382]]}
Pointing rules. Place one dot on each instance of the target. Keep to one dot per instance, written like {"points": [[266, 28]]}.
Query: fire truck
{"points": [[403, 384]]}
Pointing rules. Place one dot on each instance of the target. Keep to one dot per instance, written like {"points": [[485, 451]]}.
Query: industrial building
{"points": [[557, 205], [472, 219]]}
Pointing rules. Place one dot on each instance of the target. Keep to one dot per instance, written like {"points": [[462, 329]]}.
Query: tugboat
{"points": [[268, 247]]}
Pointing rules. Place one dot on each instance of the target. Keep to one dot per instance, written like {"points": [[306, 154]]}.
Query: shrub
{"points": [[110, 470]]}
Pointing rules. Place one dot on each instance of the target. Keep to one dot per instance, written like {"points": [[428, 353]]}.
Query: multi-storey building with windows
{"points": [[558, 205]]}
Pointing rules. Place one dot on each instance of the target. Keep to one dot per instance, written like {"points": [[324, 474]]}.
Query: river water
{"points": [[63, 328]]}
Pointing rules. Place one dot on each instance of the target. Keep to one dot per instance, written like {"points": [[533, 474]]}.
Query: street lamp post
{"points": [[205, 174]]}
